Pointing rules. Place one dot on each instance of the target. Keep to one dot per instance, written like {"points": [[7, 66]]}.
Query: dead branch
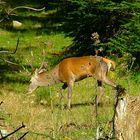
{"points": [[23, 135], [9, 12], [22, 126], [1, 20], [8, 52], [26, 7], [9, 62]]}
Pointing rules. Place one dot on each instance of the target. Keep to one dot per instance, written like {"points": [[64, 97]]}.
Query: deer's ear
{"points": [[36, 71], [41, 71]]}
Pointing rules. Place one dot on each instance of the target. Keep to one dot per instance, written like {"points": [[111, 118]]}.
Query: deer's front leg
{"points": [[70, 88], [61, 92], [61, 97]]}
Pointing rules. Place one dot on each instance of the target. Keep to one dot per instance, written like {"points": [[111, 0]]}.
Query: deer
{"points": [[73, 69]]}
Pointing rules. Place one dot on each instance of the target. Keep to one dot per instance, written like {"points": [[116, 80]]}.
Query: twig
{"points": [[21, 7], [12, 63], [26, 7], [23, 126], [52, 115], [96, 116], [132, 63], [1, 102], [7, 52], [2, 19], [23, 135], [114, 114]]}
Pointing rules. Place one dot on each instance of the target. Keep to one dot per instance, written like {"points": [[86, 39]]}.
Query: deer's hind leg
{"points": [[101, 92], [70, 89], [102, 74]]}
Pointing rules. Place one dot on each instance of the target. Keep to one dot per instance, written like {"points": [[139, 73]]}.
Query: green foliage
{"points": [[128, 40], [116, 22]]}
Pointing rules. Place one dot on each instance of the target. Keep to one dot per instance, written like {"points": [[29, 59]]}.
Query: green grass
{"points": [[41, 112]]}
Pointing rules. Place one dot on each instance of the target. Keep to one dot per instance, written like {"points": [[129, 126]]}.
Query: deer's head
{"points": [[40, 78]]}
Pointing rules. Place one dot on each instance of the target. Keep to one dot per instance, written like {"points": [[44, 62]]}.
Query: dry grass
{"points": [[22, 110], [46, 121], [44, 118]]}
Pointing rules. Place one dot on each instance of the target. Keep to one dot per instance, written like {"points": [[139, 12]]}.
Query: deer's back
{"points": [[77, 68]]}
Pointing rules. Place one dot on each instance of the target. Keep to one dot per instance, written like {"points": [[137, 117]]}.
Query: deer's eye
{"points": [[30, 81]]}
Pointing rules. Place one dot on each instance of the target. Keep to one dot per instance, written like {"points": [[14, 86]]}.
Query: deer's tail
{"points": [[111, 64]]}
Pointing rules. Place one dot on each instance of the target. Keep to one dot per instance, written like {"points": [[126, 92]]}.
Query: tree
{"points": [[117, 23], [128, 38]]}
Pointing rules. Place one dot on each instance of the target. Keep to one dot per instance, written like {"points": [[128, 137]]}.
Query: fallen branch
{"points": [[9, 62], [26, 7], [7, 52], [23, 135], [20, 7], [22, 126]]}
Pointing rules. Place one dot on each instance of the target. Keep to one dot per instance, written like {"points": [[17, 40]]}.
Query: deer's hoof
{"points": [[120, 89]]}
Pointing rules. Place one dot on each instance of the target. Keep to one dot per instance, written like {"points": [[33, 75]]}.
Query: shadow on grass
{"points": [[11, 74], [74, 105]]}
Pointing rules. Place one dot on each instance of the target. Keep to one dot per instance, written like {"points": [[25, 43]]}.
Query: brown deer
{"points": [[74, 69]]}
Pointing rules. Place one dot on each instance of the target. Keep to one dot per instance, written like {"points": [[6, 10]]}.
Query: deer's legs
{"points": [[119, 88], [70, 88], [63, 88], [101, 91], [61, 97], [109, 82], [102, 74]]}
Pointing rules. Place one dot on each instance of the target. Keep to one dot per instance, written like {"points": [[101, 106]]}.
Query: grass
{"points": [[41, 112], [44, 118]]}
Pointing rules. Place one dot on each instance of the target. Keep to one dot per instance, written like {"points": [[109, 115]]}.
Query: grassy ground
{"points": [[42, 112], [44, 117]]}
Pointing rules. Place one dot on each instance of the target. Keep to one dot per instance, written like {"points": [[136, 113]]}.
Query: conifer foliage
{"points": [[117, 23]]}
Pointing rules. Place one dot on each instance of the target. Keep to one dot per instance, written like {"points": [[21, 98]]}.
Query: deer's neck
{"points": [[53, 76]]}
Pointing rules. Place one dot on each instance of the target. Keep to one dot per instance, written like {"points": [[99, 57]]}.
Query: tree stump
{"points": [[127, 118]]}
